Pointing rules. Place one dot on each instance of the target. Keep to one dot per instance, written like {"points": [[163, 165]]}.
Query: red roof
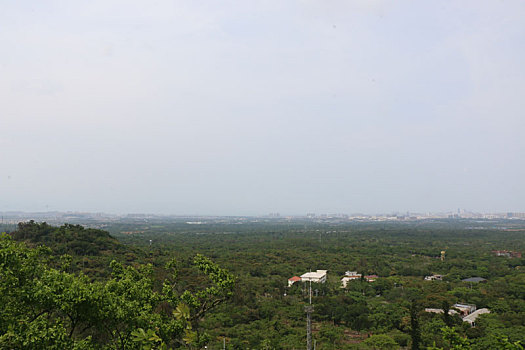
{"points": [[294, 278]]}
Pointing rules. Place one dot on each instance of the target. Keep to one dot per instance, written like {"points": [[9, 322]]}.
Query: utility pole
{"points": [[309, 309], [310, 292]]}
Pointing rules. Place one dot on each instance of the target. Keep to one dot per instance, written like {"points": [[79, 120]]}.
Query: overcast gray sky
{"points": [[250, 107]]}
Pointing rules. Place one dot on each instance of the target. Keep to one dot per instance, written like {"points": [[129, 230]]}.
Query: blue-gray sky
{"points": [[250, 107]]}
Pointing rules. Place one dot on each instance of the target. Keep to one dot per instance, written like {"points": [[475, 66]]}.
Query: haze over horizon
{"points": [[246, 108]]}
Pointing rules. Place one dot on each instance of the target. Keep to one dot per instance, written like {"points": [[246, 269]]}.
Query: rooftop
{"points": [[474, 279], [472, 317], [316, 274]]}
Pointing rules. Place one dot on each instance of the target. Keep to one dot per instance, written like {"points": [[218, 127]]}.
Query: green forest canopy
{"points": [[87, 289]]}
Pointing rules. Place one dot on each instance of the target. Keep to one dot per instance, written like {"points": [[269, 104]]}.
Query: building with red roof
{"points": [[293, 279]]}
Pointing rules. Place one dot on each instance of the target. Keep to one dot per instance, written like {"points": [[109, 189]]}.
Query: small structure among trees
{"points": [[318, 276], [507, 253], [293, 279]]}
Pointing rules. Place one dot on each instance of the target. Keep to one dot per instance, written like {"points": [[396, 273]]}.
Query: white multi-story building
{"points": [[318, 277], [349, 276]]}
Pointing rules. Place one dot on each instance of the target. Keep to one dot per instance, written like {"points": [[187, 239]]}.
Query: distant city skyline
{"points": [[247, 108], [405, 215]]}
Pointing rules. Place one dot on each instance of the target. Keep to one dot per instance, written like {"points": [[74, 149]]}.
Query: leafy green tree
{"points": [[447, 318], [380, 341], [45, 308], [415, 328]]}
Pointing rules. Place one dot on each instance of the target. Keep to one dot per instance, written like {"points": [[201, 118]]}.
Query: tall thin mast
{"points": [[308, 309]]}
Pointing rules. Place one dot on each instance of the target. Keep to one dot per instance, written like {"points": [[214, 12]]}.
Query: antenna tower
{"points": [[309, 309]]}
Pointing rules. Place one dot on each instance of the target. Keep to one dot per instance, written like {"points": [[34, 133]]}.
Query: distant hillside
{"points": [[67, 239], [91, 249]]}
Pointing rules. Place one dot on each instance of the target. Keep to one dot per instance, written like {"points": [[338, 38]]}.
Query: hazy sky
{"points": [[250, 107]]}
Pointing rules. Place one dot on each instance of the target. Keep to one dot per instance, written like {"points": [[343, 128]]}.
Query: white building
{"points": [[434, 278], [471, 319], [318, 277], [353, 274], [349, 276]]}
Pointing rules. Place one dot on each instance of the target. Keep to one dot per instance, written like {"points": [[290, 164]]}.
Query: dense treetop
{"points": [[152, 286]]}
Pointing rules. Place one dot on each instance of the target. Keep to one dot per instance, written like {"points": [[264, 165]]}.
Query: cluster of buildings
{"points": [[507, 253], [353, 276], [467, 280], [410, 216], [319, 276], [468, 312]]}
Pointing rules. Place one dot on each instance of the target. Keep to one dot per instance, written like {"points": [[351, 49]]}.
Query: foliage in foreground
{"points": [[49, 308]]}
